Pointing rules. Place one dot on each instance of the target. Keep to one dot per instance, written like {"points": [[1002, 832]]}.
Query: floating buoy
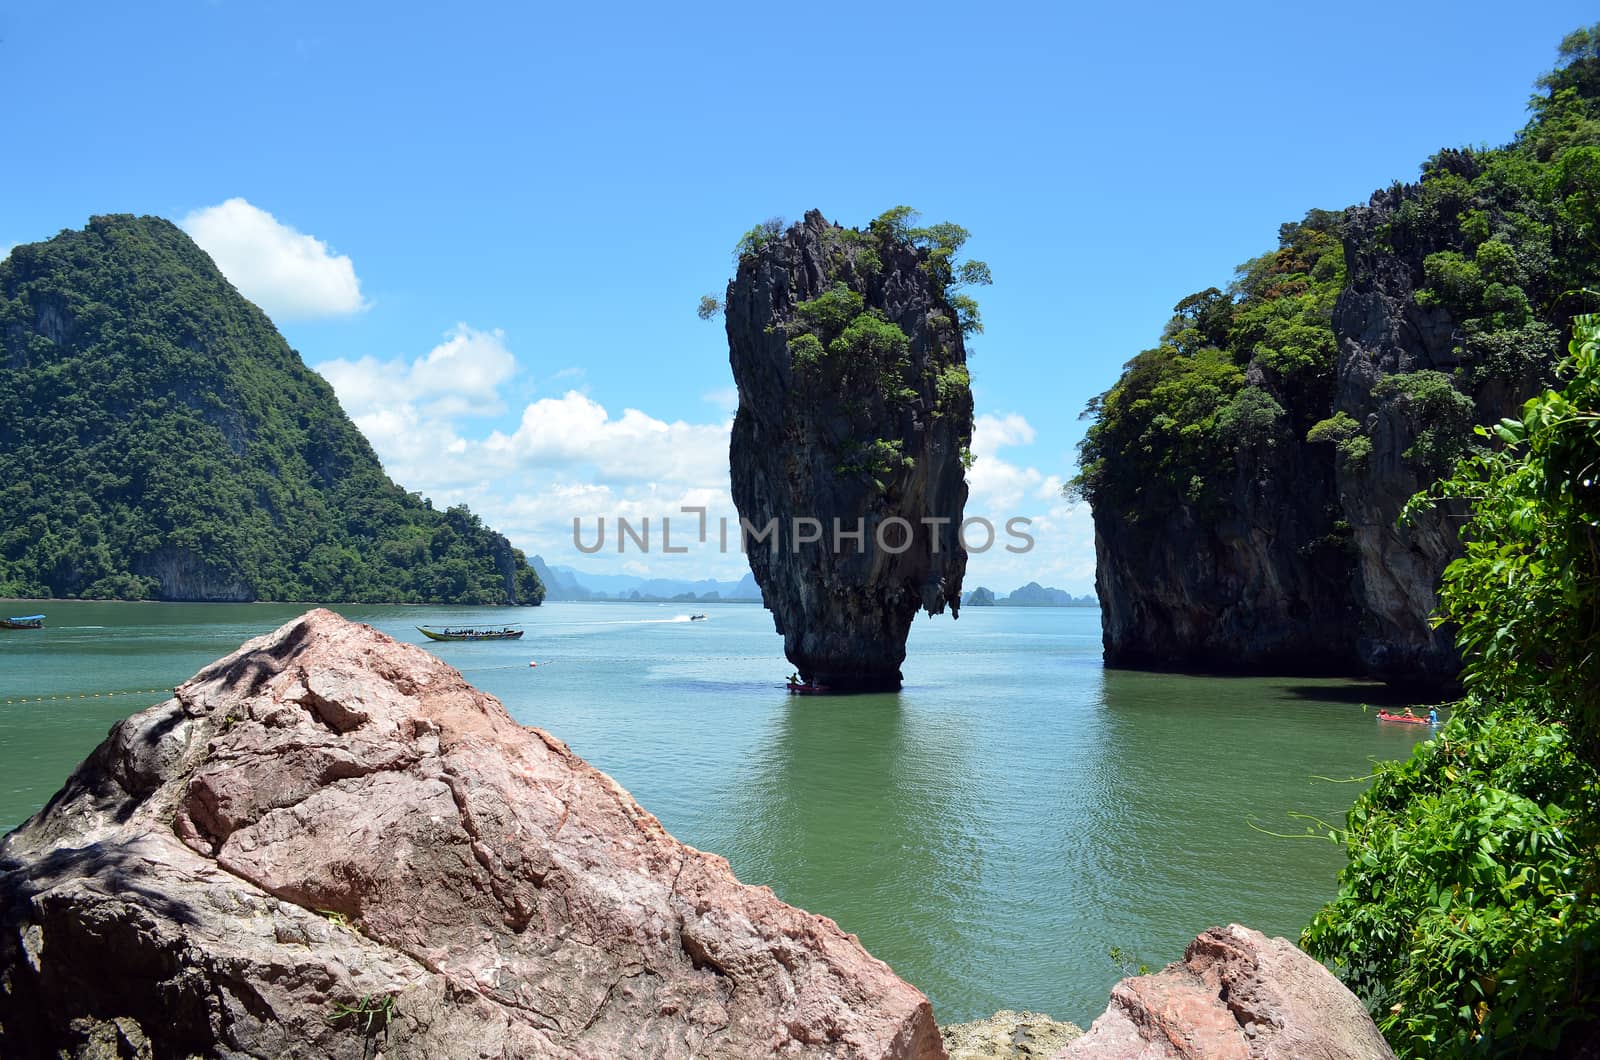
{"points": [[533, 664]]}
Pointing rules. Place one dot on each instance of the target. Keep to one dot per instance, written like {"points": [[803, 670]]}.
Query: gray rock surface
{"points": [[329, 845], [1300, 567], [844, 613], [1008, 1035]]}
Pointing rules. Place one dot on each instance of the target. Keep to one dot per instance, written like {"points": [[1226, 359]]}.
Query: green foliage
{"points": [[953, 385], [860, 382], [151, 418], [1462, 918], [369, 1015], [710, 306], [831, 312], [1525, 594], [1439, 413], [805, 354], [1466, 916], [1127, 962], [1346, 434], [1250, 418], [939, 244], [870, 337], [879, 459], [1169, 431], [751, 242]]}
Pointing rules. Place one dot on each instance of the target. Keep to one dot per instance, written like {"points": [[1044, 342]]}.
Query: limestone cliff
{"points": [[854, 417], [1248, 474]]}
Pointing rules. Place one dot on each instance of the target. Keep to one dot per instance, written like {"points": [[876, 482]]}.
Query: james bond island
{"points": [[855, 412]]}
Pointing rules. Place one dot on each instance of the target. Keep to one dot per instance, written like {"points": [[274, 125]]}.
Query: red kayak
{"points": [[1408, 719], [797, 688]]}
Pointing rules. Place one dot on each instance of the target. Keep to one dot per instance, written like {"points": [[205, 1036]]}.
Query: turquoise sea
{"points": [[992, 831]]}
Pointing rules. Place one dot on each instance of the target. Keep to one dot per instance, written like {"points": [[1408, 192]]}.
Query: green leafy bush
{"points": [[1440, 414], [1346, 435], [1466, 916], [1462, 917]]}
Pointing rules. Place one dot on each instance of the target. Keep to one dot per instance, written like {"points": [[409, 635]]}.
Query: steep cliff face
{"points": [[1219, 538], [1249, 473], [854, 417], [1257, 581], [1384, 334]]}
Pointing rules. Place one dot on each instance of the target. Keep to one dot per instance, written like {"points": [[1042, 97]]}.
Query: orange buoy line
{"points": [[87, 695]]}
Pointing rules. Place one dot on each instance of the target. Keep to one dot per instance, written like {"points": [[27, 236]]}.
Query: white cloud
{"points": [[459, 377], [998, 490], [570, 457], [995, 484], [576, 430], [724, 399], [287, 273]]}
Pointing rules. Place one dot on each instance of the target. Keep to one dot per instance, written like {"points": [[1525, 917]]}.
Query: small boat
{"points": [[697, 618], [470, 633], [1408, 719], [23, 622], [807, 688]]}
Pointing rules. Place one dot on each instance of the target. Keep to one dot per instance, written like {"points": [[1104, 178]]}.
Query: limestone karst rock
{"points": [[855, 415]]}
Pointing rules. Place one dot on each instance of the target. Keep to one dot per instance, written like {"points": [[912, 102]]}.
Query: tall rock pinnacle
{"points": [[852, 435]]}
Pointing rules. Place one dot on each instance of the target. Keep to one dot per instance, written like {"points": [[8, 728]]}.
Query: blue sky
{"points": [[489, 224]]}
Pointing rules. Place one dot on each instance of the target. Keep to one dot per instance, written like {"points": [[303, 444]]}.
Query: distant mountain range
{"points": [[565, 583], [1031, 595]]}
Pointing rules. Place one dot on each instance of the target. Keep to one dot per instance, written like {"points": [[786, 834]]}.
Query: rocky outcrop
{"points": [[845, 431], [329, 845], [1257, 579], [1008, 1035], [1294, 559], [1236, 995], [980, 597], [1386, 335], [183, 574]]}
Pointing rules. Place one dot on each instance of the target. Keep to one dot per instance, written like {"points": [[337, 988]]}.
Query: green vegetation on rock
{"points": [[1467, 916], [1171, 428], [159, 439], [842, 347], [1507, 237]]}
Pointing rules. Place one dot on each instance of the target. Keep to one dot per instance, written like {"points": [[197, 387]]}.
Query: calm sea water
{"points": [[991, 831]]}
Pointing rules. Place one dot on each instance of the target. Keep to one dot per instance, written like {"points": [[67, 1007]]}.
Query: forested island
{"points": [[1377, 452], [160, 440], [1247, 473]]}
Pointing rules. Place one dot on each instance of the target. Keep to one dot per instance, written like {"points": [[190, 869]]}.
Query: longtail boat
{"points": [[23, 622], [470, 633]]}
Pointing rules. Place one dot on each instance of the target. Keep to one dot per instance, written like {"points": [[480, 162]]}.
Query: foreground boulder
{"points": [[1236, 995], [848, 449], [328, 844]]}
